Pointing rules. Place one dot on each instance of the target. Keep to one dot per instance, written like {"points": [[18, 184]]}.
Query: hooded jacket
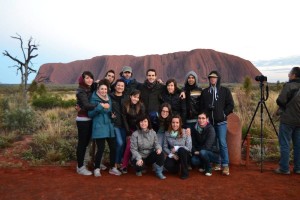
{"points": [[193, 94], [217, 102]]}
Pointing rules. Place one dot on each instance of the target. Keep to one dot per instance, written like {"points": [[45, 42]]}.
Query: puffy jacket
{"points": [[83, 95], [184, 141], [289, 101], [117, 110], [102, 125]]}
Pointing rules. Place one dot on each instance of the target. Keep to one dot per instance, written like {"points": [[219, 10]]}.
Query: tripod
{"points": [[261, 104]]}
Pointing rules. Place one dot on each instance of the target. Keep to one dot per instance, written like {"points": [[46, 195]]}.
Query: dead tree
{"points": [[25, 67]]}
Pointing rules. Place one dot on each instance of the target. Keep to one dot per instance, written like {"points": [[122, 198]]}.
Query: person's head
{"points": [[165, 110], [102, 87], [143, 122], [171, 85], [110, 76], [135, 96], [126, 72], [213, 77], [119, 86], [294, 73], [176, 124], [86, 79], [202, 119], [191, 80], [151, 75]]}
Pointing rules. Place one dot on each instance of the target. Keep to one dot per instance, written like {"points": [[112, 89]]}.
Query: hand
{"points": [[158, 151], [182, 95], [113, 115], [77, 108], [173, 150], [188, 131], [139, 162], [160, 81], [105, 105], [196, 152], [175, 157]]}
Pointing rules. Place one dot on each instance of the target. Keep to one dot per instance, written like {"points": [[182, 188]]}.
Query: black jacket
{"points": [[117, 110], [151, 96], [130, 117], [205, 140]]}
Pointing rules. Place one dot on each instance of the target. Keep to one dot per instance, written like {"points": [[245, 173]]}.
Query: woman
{"points": [[171, 95], [117, 98], [145, 148], [103, 127], [83, 122], [164, 119], [131, 109], [177, 146]]}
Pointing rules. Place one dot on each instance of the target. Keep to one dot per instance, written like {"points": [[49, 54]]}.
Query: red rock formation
{"points": [[173, 65]]}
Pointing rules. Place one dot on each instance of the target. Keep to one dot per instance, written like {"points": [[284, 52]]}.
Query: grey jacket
{"points": [[289, 101], [142, 144], [170, 142]]}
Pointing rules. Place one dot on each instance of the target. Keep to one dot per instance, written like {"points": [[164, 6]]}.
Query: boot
{"points": [[158, 171]]}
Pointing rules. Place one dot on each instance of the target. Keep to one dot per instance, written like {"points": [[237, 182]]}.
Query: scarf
{"points": [[127, 81], [174, 134], [150, 85], [198, 128]]}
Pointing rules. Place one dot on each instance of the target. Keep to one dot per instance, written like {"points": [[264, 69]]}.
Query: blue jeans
{"points": [[286, 134], [120, 143], [205, 158], [221, 132]]}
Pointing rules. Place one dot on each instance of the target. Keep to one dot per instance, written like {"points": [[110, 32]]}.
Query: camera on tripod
{"points": [[261, 78]]}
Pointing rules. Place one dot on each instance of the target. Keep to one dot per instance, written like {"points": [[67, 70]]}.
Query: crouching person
{"points": [[204, 149], [145, 148]]}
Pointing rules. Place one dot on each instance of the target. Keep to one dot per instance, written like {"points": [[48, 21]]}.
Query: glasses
{"points": [[165, 111], [201, 117]]}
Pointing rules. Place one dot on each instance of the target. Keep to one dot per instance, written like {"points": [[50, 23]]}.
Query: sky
{"points": [[69, 30]]}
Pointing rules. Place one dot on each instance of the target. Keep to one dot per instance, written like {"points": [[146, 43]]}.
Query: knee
{"points": [[195, 161]]}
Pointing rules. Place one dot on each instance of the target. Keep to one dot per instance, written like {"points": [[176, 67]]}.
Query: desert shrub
{"points": [[6, 140], [52, 101], [22, 120], [247, 85]]}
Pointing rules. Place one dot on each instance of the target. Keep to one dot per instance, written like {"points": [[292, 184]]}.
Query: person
{"points": [[193, 94], [117, 99], [131, 109], [217, 102], [289, 127], [83, 121], [171, 95], [204, 149], [151, 90], [130, 83], [110, 76], [103, 129], [145, 148], [177, 146], [164, 120]]}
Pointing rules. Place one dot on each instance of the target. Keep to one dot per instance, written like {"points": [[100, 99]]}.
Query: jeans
{"points": [[286, 134], [153, 157], [127, 154], [120, 143], [205, 158], [221, 132]]}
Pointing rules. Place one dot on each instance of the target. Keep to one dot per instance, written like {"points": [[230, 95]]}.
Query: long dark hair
{"points": [[180, 125], [165, 122], [128, 102]]}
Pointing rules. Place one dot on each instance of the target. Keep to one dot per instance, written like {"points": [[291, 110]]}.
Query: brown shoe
{"points": [[225, 171]]}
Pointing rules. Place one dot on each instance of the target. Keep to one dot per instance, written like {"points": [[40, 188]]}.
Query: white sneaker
{"points": [[83, 171], [115, 171], [103, 167], [97, 172], [201, 170]]}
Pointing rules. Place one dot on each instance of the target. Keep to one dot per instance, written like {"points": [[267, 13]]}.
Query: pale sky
{"points": [[69, 30]]}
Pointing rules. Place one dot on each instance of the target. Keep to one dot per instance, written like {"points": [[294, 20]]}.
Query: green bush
{"points": [[52, 101], [6, 140]]}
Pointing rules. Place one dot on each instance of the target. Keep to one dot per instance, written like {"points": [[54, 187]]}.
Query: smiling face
{"points": [[202, 120], [102, 90], [120, 86], [191, 80], [171, 87], [135, 98], [110, 77], [175, 124], [144, 124], [165, 112], [151, 76], [88, 80]]}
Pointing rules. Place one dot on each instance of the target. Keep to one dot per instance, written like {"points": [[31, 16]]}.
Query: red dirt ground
{"points": [[53, 182]]}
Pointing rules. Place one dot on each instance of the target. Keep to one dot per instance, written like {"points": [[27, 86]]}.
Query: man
{"points": [[289, 128], [110, 76], [204, 149], [217, 101], [131, 83]]}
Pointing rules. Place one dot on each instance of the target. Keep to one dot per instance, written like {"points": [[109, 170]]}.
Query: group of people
{"points": [[153, 124]]}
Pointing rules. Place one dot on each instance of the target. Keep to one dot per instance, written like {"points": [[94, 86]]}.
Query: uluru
{"points": [[233, 69]]}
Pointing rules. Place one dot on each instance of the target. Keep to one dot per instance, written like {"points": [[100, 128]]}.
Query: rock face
{"points": [[233, 69]]}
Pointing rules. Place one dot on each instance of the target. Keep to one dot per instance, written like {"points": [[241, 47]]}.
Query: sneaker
{"points": [[279, 171], [296, 171], [115, 171], [84, 171], [139, 173], [97, 172], [201, 170], [217, 167], [225, 171], [103, 167], [123, 170], [190, 167]]}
